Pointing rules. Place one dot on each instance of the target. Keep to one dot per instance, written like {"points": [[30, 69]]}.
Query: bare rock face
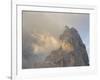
{"points": [[71, 53]]}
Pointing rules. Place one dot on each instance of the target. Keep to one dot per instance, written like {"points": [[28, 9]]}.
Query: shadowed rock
{"points": [[75, 57], [72, 52]]}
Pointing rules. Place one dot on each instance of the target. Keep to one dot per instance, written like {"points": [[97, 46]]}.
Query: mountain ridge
{"points": [[75, 57]]}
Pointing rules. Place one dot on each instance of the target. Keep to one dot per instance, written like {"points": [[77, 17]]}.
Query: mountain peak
{"points": [[67, 50], [77, 54]]}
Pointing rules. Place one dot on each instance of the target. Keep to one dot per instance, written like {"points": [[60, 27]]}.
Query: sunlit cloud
{"points": [[47, 43]]}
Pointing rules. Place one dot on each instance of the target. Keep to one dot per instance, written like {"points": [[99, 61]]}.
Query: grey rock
{"points": [[75, 57]]}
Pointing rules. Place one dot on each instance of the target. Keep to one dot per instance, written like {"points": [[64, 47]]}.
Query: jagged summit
{"points": [[77, 54], [71, 51]]}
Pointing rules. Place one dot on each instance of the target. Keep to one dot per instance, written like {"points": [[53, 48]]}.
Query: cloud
{"points": [[47, 43]]}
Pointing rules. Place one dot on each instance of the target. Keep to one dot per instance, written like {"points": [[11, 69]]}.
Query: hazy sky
{"points": [[54, 23]]}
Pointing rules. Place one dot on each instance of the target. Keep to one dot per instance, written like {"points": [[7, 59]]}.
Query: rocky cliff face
{"points": [[72, 52]]}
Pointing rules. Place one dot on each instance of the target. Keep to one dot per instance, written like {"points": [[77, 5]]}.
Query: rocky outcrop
{"points": [[71, 53]]}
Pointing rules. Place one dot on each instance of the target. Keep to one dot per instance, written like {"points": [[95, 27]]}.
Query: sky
{"points": [[54, 23], [41, 32]]}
